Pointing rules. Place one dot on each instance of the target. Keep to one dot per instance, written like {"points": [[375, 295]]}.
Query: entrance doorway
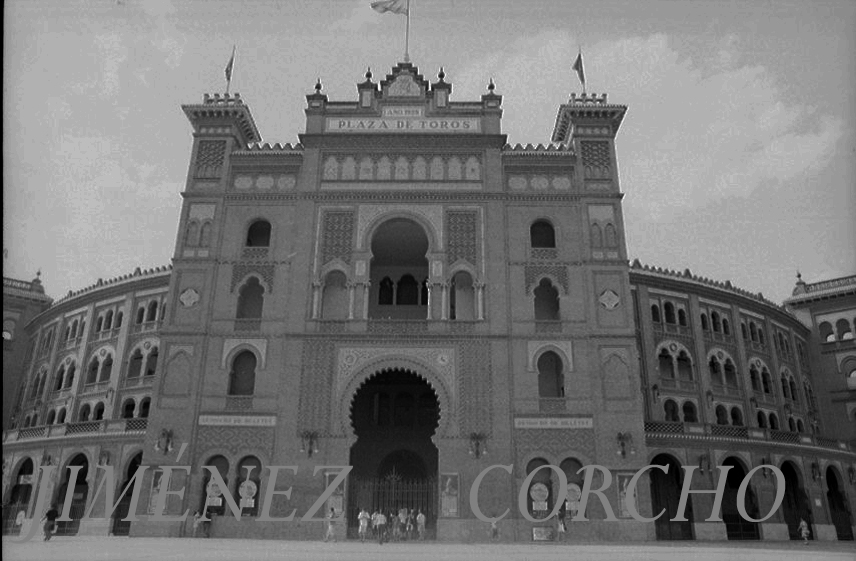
{"points": [[120, 526], [395, 463], [78, 497], [666, 494], [795, 505], [837, 500], [736, 527], [19, 499]]}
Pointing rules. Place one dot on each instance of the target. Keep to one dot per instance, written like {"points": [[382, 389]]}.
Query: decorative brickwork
{"points": [[263, 270], [210, 158], [461, 236], [535, 271], [235, 439], [338, 235], [316, 381], [551, 444], [596, 161], [475, 388]]}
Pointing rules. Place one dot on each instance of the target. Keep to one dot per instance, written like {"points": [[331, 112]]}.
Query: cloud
{"points": [[695, 131], [359, 14]]}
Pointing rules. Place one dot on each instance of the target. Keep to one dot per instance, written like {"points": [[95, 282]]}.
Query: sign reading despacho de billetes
{"points": [[553, 423], [238, 420], [442, 125]]}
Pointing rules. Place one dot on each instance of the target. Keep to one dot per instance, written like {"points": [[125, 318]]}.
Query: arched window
{"points": [[743, 331], [60, 418], [407, 293], [551, 381], [793, 387], [761, 336], [247, 485], [670, 409], [610, 236], [542, 235], [35, 421], [386, 292], [145, 404], [682, 317], [546, 301], [766, 381], [67, 333], [715, 324], [42, 383], [736, 417], [128, 408], [152, 313], [785, 392], [792, 426], [762, 420], [258, 234], [730, 374], [827, 335], [704, 325], [250, 300], [242, 378], [843, 328], [152, 362], [84, 413], [74, 332], [50, 418], [774, 421], [655, 313], [690, 412], [141, 315], [69, 375], [119, 318], [753, 331], [98, 413], [715, 371], [669, 312], [135, 365], [726, 327], [60, 378], [99, 324], [596, 236], [721, 415], [92, 372], [800, 426], [106, 369], [685, 367], [335, 301], [665, 365], [205, 234], [462, 297], [215, 504], [108, 320]]}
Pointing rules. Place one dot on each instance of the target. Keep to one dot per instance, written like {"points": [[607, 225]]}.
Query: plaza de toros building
{"points": [[405, 293]]}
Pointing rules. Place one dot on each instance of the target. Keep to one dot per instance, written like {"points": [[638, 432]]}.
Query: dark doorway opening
{"points": [[666, 494], [737, 527], [795, 505]]}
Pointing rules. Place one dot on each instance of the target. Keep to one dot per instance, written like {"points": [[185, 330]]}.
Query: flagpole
{"points": [[231, 70], [580, 50], [407, 35]]}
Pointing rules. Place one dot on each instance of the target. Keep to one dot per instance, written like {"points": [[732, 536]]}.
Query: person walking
{"points": [[420, 525], [408, 531], [494, 531], [804, 531], [363, 519], [331, 526], [381, 527], [196, 523], [49, 521]]}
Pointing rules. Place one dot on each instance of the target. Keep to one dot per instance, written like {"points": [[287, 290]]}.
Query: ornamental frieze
{"points": [[352, 360]]}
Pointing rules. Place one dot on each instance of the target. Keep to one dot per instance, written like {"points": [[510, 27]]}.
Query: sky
{"points": [[737, 156]]}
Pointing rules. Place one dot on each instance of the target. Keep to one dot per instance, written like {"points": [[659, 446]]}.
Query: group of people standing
{"points": [[405, 525]]}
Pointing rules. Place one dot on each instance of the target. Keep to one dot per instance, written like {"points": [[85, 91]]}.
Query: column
{"points": [[316, 298], [430, 301], [444, 314], [366, 286], [480, 300], [351, 286]]}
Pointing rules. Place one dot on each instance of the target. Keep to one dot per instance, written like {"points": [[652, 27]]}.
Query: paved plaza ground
{"points": [[188, 549]]}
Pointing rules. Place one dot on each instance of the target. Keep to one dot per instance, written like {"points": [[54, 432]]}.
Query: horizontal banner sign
{"points": [[441, 125], [238, 420], [553, 423]]}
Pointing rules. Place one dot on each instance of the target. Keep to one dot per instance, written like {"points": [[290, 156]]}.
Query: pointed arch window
{"points": [[551, 380], [542, 235], [655, 313], [730, 374], [152, 362], [135, 365], [721, 415], [152, 313], [685, 366], [106, 369], [334, 301], [60, 378], [546, 301], [665, 364], [69, 375], [669, 312], [250, 300], [242, 378], [258, 234], [407, 293], [249, 469], [762, 420], [386, 292]]}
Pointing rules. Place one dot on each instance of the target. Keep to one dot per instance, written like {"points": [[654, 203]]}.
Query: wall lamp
{"points": [[815, 471], [104, 458], [164, 441], [309, 442], [703, 463], [709, 395], [655, 392], [625, 444], [478, 448]]}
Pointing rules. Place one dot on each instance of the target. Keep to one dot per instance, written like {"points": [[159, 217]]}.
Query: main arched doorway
{"points": [[120, 526], [736, 527], [78, 496], [19, 499], [795, 505], [394, 415], [666, 494], [838, 511]]}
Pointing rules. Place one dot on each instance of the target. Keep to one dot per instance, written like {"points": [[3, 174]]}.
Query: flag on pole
{"points": [[394, 6], [578, 66], [229, 66]]}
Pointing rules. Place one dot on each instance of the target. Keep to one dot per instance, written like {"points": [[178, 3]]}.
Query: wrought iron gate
{"points": [[391, 494]]}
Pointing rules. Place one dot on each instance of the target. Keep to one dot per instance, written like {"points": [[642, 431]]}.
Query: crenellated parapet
{"points": [[223, 114]]}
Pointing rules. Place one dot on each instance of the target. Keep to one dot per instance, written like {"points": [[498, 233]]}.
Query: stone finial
{"points": [[491, 86], [318, 86], [441, 75], [368, 75]]}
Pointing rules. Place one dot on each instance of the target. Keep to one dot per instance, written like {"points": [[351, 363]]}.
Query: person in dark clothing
{"points": [[49, 520]]}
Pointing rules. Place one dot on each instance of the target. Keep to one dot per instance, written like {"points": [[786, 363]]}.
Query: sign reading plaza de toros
{"points": [[404, 120]]}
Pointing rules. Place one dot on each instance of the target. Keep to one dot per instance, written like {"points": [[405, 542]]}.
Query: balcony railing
{"points": [[138, 381], [111, 427], [721, 389], [674, 384], [752, 436], [145, 327]]}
